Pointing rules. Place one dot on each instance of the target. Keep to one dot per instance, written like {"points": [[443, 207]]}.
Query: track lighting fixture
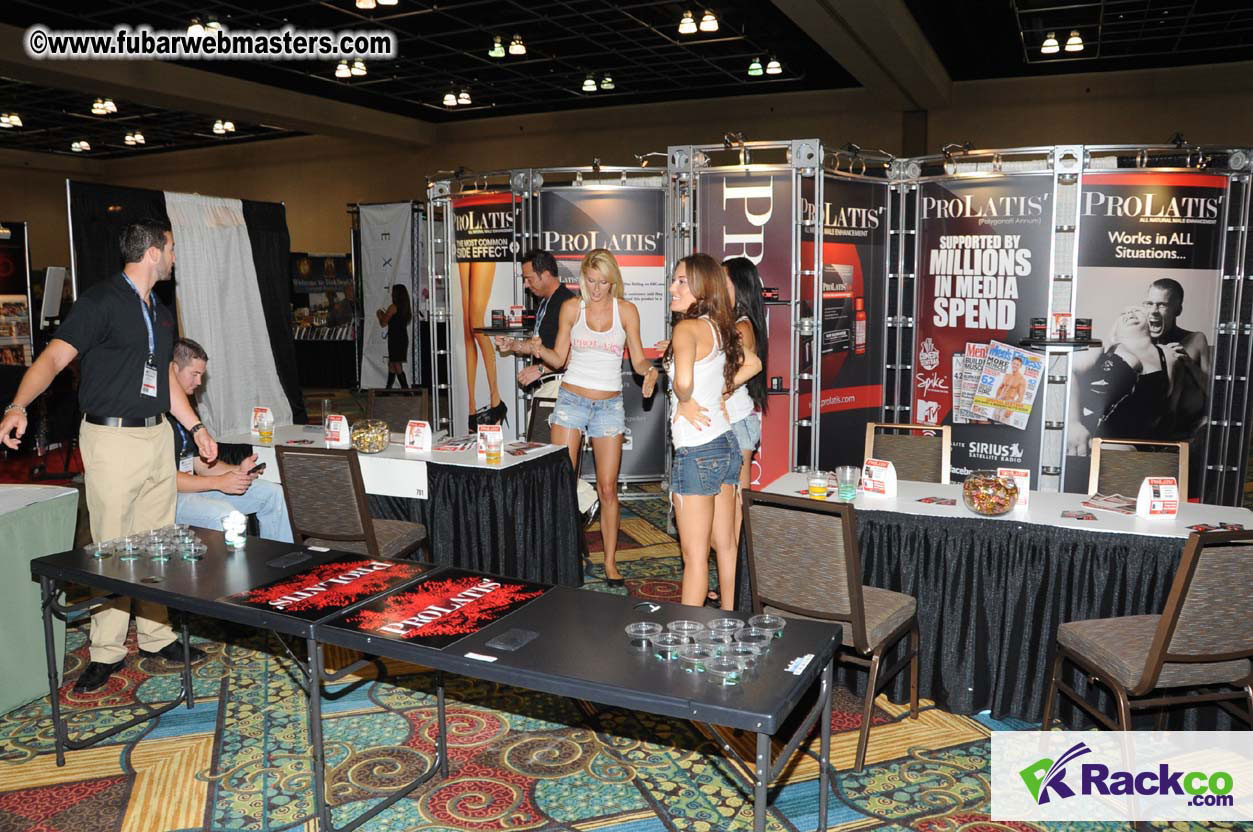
{"points": [[774, 67], [754, 69], [606, 82], [516, 46], [589, 84], [687, 25], [358, 67], [463, 98], [498, 48], [708, 22], [1050, 45], [342, 70], [1074, 43], [450, 99]]}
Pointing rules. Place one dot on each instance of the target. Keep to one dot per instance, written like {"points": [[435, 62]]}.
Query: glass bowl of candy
{"points": [[989, 494], [370, 436]]}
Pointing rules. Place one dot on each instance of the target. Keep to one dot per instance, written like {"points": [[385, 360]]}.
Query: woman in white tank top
{"points": [[591, 339], [706, 362]]}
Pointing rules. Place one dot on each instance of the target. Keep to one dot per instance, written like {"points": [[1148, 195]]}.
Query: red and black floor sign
{"points": [[443, 608], [320, 591]]}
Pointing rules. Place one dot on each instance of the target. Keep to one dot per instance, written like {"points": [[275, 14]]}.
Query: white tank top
{"points": [[739, 403], [596, 357], [707, 384]]}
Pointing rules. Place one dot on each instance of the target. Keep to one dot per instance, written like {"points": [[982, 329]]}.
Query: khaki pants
{"points": [[130, 479]]}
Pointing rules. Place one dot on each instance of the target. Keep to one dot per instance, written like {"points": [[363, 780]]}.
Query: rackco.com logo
{"points": [[1046, 779]]}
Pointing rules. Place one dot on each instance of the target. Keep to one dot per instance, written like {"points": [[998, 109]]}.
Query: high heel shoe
{"points": [[495, 415]]}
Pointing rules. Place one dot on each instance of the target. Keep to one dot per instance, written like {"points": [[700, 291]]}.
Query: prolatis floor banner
{"points": [[984, 251]]}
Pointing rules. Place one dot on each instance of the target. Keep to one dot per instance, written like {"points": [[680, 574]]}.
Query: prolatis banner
{"points": [[850, 295], [444, 608], [984, 251], [321, 591], [749, 214]]}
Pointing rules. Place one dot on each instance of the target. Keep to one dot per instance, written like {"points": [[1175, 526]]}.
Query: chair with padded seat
{"points": [[803, 562], [397, 407], [1120, 471], [916, 457], [327, 504], [1202, 639]]}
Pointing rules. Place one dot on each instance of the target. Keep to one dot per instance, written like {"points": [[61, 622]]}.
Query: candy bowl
{"points": [[988, 494]]}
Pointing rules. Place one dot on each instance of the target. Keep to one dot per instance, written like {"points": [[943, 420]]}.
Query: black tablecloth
{"points": [[521, 521], [991, 595]]}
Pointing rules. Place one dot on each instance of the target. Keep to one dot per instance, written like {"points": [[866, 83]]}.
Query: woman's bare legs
{"points": [[467, 324], [481, 277], [694, 516], [608, 452], [726, 542]]}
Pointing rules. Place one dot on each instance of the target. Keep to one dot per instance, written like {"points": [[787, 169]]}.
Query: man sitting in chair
{"points": [[207, 493]]}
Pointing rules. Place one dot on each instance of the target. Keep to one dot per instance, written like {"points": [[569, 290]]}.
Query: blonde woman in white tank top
{"points": [[706, 362], [593, 334]]}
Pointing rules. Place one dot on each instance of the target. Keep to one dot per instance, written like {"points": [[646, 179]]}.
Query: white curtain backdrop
{"points": [[386, 258], [220, 308]]}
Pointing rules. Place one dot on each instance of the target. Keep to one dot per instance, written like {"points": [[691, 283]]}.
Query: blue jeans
{"points": [[704, 469], [264, 499], [597, 418]]}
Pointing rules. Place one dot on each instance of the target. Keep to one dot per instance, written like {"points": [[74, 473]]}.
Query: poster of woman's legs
{"points": [[482, 385]]}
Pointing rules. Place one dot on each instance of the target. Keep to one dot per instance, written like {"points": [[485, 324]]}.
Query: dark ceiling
{"points": [[444, 45]]}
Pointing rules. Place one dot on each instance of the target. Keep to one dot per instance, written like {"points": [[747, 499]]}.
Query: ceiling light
{"points": [[5, 121], [464, 97], [1050, 46], [218, 127], [15, 120], [606, 83], [358, 67], [196, 28], [708, 23], [81, 147], [754, 68], [342, 70], [450, 99], [498, 48], [1074, 43], [98, 108], [387, 2], [687, 26], [213, 26], [130, 138], [516, 46], [365, 4], [228, 126], [109, 106], [774, 67], [589, 84], [139, 138]]}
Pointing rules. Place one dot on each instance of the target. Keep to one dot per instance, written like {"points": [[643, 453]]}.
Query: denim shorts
{"points": [[704, 469], [597, 418], [748, 432]]}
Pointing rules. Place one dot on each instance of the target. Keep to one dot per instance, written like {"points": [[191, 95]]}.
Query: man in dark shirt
{"points": [[539, 272], [124, 338]]}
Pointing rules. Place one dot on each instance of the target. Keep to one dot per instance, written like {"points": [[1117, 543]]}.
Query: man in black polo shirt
{"points": [[124, 337], [539, 272]]}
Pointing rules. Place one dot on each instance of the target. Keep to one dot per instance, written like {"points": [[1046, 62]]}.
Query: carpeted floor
{"points": [[520, 760]]}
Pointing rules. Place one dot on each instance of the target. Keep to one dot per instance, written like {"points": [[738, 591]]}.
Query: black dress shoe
{"points": [[95, 675], [173, 652], [615, 581]]}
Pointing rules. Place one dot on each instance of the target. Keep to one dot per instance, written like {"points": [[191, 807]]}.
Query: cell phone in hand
{"points": [[257, 469]]}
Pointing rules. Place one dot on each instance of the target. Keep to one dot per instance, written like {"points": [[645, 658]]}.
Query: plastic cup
{"points": [[716, 641], [159, 551], [666, 646], [128, 548], [692, 657], [725, 625], [101, 550], [772, 624], [193, 551], [818, 486], [642, 633], [492, 448], [757, 637], [265, 427], [846, 478], [724, 671], [685, 627], [746, 654]]}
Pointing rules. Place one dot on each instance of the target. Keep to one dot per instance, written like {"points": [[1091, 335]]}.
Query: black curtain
{"points": [[98, 214], [271, 253]]}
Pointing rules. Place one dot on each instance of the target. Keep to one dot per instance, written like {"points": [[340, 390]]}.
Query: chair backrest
{"points": [[537, 427], [915, 456], [325, 495], [1209, 612], [1120, 471], [803, 558], [397, 407]]}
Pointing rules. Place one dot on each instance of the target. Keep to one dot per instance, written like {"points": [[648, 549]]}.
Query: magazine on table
{"points": [[971, 369], [1116, 503], [1008, 384]]}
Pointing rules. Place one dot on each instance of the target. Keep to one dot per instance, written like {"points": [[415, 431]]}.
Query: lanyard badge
{"points": [[148, 387]]}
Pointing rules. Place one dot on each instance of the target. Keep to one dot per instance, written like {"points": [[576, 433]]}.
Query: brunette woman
{"points": [[706, 362], [747, 402], [592, 335], [396, 318]]}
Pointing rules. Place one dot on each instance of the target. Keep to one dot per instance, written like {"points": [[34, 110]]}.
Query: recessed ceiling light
{"points": [[342, 70], [450, 99], [358, 67], [1050, 45], [589, 84], [774, 67], [464, 97], [606, 83], [687, 25], [1074, 43], [708, 22], [754, 68], [516, 46], [498, 48]]}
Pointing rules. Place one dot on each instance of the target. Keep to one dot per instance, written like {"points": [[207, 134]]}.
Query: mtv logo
{"points": [[928, 412]]}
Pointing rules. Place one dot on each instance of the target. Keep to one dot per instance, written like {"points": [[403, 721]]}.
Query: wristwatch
{"points": [[196, 427]]}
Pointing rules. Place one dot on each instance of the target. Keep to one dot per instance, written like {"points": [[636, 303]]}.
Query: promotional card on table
{"points": [[314, 593]]}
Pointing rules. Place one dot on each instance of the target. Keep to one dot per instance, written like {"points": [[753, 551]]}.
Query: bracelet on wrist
{"points": [[16, 406], [196, 427]]}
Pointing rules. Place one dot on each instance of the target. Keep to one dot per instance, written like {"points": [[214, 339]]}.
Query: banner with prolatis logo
{"points": [[984, 250], [1122, 776]]}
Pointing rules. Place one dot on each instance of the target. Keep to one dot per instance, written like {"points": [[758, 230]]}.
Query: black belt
{"points": [[122, 422]]}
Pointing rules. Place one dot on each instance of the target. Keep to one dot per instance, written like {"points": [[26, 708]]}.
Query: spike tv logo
{"points": [[315, 593], [444, 608]]}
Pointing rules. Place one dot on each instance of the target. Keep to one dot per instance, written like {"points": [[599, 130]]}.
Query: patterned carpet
{"points": [[519, 760]]}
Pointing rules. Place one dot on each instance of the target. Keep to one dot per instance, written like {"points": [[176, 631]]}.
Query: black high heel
{"points": [[497, 415]]}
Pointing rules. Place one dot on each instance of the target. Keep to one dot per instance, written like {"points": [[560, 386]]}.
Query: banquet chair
{"points": [[396, 407], [1203, 639], [327, 505], [917, 458], [803, 562], [1120, 471]]}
